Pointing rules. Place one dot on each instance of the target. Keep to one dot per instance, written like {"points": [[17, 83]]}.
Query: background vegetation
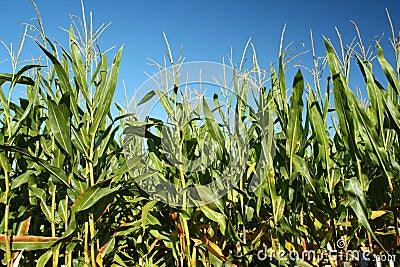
{"points": [[69, 196]]}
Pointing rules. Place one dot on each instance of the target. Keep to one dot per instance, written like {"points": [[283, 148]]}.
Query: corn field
{"points": [[310, 164]]}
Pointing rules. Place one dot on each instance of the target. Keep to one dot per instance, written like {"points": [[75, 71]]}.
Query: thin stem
{"points": [[86, 247], [68, 258], [53, 225], [6, 218], [53, 204], [92, 243]]}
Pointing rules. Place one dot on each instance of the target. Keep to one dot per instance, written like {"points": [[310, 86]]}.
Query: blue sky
{"points": [[207, 30]]}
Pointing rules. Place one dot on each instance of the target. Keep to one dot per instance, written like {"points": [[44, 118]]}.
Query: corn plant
{"points": [[61, 154], [81, 186]]}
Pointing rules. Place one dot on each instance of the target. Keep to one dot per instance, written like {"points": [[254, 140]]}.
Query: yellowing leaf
{"points": [[378, 213], [215, 250]]}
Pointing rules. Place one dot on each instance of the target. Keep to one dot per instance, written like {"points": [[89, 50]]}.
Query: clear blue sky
{"points": [[206, 30]]}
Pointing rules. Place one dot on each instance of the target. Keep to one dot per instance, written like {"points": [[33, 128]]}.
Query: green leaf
{"points": [[388, 70], [147, 97], [393, 113], [120, 261], [4, 162], [18, 78], [233, 234], [358, 204], [44, 259], [345, 101], [78, 141], [21, 179], [56, 172], [4, 102], [212, 126], [32, 102], [370, 135], [319, 128], [78, 65], [41, 194], [374, 94], [278, 204], [294, 128], [215, 216], [145, 211], [104, 94], [302, 263], [299, 165], [60, 126], [92, 195], [63, 82]]}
